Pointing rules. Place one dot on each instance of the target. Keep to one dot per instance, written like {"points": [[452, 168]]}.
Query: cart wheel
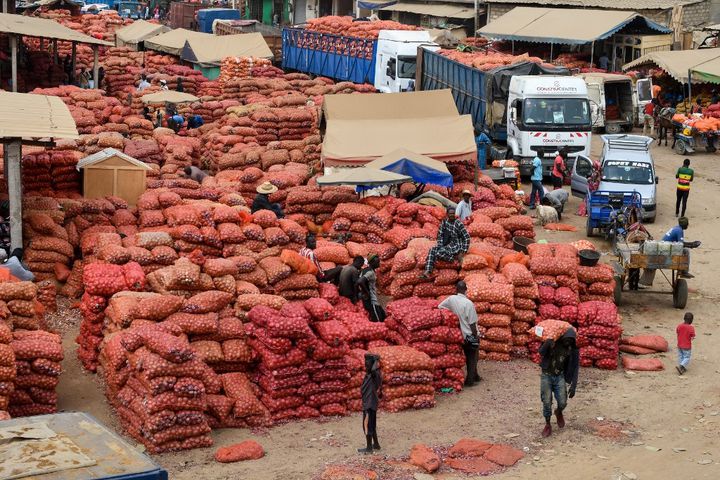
{"points": [[680, 293], [680, 147], [588, 228], [710, 149], [617, 292]]}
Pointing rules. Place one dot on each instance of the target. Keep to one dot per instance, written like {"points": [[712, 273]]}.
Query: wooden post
{"points": [[72, 61], [96, 74], [55, 51], [13, 173], [13, 60]]}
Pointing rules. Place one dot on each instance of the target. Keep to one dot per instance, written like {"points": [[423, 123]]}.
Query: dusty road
{"points": [[670, 425]]}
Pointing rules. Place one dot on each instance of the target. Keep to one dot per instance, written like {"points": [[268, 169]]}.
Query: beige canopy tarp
{"points": [[210, 51], [563, 25], [138, 31], [172, 42], [169, 96], [44, 28], [704, 63], [434, 9], [363, 176], [27, 116], [361, 128]]}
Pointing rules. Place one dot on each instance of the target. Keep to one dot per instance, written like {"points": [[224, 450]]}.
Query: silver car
{"points": [[626, 166]]}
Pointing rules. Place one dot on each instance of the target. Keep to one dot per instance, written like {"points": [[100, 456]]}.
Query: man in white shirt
{"points": [[464, 206], [143, 83], [464, 308]]}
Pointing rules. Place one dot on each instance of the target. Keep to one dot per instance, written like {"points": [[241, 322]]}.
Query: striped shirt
{"points": [[310, 255], [685, 176]]}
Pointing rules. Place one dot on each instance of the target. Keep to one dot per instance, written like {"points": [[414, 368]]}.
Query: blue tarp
{"points": [[420, 173], [374, 5]]}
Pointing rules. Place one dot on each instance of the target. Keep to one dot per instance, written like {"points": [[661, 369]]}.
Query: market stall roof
{"points": [[138, 31], [571, 26], [435, 9], [421, 168], [169, 96], [172, 42], [44, 28], [361, 128], [98, 157], [677, 63], [375, 4], [210, 51], [610, 4], [29, 117], [366, 176]]}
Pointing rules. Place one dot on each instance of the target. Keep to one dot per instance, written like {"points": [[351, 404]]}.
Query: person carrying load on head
{"points": [[453, 240], [560, 364]]}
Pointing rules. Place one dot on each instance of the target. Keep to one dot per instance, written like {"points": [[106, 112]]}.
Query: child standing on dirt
{"points": [[685, 334], [371, 391]]}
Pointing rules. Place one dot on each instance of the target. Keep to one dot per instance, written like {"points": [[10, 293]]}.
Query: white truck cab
{"points": [[546, 113], [396, 58], [626, 165]]}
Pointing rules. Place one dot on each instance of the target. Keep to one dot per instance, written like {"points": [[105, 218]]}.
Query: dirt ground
{"points": [[620, 425]]}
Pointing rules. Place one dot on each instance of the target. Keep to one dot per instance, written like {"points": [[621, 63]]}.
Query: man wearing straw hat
{"points": [[464, 206], [262, 199]]}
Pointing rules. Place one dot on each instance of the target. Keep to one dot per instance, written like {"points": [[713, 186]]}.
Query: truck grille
{"points": [[551, 149]]}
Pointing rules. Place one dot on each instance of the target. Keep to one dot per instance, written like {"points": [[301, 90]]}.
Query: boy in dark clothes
{"points": [[371, 391], [560, 363]]}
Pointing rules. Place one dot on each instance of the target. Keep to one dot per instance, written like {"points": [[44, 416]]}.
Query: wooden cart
{"points": [[631, 261]]}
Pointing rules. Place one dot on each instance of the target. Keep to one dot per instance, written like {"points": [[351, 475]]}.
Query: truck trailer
{"points": [[388, 63], [526, 109]]}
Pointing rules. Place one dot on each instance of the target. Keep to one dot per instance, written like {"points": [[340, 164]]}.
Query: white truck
{"points": [[612, 101], [528, 109], [547, 113], [388, 63]]}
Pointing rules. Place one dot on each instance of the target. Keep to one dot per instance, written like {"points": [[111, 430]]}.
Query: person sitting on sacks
{"points": [[262, 199], [453, 240], [371, 391], [560, 364], [331, 275]]}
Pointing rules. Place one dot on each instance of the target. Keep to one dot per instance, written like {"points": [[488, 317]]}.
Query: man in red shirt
{"points": [[685, 334], [559, 169]]}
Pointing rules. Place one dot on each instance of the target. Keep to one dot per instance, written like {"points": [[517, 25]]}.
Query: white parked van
{"points": [[612, 101], [626, 166]]}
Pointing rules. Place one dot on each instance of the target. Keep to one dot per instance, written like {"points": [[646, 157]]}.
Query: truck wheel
{"points": [[588, 228], [680, 147], [612, 128], [628, 128], [680, 293]]}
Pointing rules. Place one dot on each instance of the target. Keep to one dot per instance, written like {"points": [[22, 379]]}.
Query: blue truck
{"points": [[388, 63], [525, 108], [206, 17]]}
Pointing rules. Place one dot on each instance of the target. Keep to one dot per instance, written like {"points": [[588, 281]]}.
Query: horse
{"points": [[664, 123]]}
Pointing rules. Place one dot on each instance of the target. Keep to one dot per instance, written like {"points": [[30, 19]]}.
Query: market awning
{"points": [[138, 31], [570, 26], [31, 117], [704, 63], [435, 9], [371, 177], [362, 128], [421, 168], [169, 96], [210, 51], [44, 28], [172, 42], [370, 5]]}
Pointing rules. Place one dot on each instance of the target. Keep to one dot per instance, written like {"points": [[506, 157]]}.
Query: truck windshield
{"points": [[406, 66], [556, 111], [635, 173]]}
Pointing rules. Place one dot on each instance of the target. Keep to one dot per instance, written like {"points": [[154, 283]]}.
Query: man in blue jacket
{"points": [[536, 180], [560, 364]]}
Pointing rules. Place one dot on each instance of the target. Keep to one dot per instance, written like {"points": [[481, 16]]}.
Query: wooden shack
{"points": [[111, 172]]}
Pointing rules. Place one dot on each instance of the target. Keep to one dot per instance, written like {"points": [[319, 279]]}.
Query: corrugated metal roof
{"points": [[612, 4], [572, 26], [27, 116], [44, 28], [109, 153]]}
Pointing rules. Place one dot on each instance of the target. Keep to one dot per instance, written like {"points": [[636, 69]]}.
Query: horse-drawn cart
{"points": [[687, 139], [631, 260]]}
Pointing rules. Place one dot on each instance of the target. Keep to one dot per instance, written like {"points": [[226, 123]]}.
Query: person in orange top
{"points": [[559, 169], [656, 89], [685, 334]]}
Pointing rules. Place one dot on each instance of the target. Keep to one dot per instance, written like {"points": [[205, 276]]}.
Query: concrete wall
{"points": [[696, 15]]}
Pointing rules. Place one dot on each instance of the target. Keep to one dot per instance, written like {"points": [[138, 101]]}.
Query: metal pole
{"points": [[551, 51], [72, 61], [13, 59], [14, 184], [477, 22], [55, 51], [96, 73], [614, 55], [592, 54], [689, 99], [512, 47]]}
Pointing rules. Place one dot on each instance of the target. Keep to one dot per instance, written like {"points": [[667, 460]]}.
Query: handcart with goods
{"points": [[688, 139], [670, 259]]}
